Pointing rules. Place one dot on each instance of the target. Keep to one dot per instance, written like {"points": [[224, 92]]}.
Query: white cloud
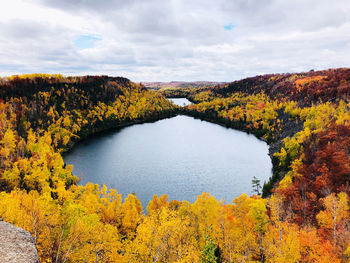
{"points": [[158, 40]]}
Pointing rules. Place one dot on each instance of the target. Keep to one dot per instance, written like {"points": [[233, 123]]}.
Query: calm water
{"points": [[180, 156], [180, 101]]}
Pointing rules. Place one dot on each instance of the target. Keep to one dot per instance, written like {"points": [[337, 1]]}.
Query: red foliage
{"points": [[325, 170]]}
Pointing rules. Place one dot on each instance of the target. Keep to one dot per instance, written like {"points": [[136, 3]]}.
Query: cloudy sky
{"points": [[163, 40]]}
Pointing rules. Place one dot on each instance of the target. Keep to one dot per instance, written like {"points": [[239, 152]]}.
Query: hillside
{"points": [[306, 88]]}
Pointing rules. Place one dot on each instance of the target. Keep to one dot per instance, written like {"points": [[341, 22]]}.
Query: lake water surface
{"points": [[180, 101], [180, 156]]}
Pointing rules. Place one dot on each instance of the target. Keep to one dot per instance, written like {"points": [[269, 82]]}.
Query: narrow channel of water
{"points": [[180, 156], [180, 101]]}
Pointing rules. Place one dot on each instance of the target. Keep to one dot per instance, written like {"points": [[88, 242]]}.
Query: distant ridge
{"points": [[180, 84]]}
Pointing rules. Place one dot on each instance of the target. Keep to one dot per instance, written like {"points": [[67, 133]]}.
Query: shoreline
{"points": [[289, 128], [101, 131]]}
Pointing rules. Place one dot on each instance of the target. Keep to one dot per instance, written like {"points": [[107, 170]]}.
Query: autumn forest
{"points": [[300, 215]]}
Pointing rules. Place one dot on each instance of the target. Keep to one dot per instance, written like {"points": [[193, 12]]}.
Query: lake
{"points": [[179, 156]]}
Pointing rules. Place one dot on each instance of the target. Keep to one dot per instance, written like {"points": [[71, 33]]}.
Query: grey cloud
{"points": [[22, 29], [77, 6], [183, 40]]}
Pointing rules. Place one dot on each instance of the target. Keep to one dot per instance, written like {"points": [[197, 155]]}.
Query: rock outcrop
{"points": [[16, 245]]}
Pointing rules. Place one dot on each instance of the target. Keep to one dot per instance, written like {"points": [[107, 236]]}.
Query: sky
{"points": [[167, 40]]}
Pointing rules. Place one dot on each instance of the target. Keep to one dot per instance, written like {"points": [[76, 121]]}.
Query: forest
{"points": [[301, 215]]}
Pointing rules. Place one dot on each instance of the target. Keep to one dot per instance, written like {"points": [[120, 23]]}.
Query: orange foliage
{"points": [[301, 83]]}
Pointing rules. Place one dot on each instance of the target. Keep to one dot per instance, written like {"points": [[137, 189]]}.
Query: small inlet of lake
{"points": [[180, 101], [180, 156]]}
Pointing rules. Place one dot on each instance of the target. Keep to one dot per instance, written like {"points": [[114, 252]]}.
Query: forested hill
{"points": [[53, 112], [310, 87], [104, 87], [83, 105]]}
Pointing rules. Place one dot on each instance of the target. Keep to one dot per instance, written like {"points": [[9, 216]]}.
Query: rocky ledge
{"points": [[16, 245]]}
